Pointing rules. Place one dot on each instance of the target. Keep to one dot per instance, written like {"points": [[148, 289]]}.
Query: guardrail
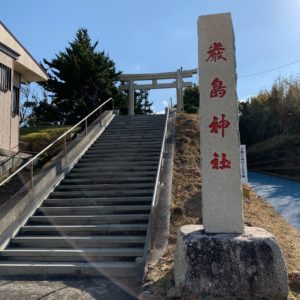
{"points": [[150, 228], [63, 138]]}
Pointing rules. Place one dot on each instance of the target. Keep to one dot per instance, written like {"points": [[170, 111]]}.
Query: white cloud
{"points": [[137, 68], [160, 112], [245, 99], [165, 103]]}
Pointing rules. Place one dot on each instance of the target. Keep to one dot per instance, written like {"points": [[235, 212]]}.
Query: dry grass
{"points": [[259, 213], [35, 139], [186, 208]]}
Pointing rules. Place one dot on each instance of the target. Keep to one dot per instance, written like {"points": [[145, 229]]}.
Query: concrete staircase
{"points": [[95, 220]]}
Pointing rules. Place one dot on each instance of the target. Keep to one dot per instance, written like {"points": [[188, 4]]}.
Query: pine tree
{"points": [[191, 99], [141, 103], [79, 77]]}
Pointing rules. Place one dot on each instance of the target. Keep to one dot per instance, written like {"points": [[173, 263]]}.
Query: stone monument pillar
{"points": [[219, 128], [223, 259]]}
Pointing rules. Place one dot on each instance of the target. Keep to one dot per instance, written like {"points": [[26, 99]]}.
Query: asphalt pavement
{"points": [[282, 194]]}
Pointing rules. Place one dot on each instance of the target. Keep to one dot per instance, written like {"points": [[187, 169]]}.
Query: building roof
{"points": [[30, 69]]}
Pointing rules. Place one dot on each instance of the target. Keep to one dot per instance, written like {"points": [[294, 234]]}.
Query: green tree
{"points": [[142, 105], [79, 77], [191, 99], [271, 113]]}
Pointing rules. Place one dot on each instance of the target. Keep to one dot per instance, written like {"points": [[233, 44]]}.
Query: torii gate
{"points": [[179, 84]]}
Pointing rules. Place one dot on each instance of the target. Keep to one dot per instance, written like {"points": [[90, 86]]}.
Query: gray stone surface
{"points": [[67, 289], [174, 293], [221, 186], [230, 266]]}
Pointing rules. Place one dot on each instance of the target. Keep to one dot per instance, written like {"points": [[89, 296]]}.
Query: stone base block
{"points": [[230, 266]]}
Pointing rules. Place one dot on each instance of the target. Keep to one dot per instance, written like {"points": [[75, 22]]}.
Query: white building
{"points": [[16, 66]]}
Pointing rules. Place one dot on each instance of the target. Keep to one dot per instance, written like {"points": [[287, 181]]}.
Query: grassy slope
{"points": [[186, 208], [34, 139]]}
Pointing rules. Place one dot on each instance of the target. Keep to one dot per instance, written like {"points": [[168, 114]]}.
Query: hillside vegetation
{"points": [[35, 139], [186, 208]]}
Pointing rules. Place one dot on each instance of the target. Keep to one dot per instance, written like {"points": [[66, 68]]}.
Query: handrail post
{"points": [[31, 175], [65, 146], [160, 173], [151, 232], [85, 126], [100, 116]]}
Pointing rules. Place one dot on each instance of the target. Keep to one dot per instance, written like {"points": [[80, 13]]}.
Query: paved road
{"points": [[284, 195]]}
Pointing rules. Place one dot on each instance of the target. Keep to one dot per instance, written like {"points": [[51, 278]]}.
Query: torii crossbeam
{"points": [[179, 84]]}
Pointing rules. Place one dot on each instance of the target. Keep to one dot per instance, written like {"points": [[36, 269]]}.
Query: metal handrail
{"points": [[63, 136], [150, 229]]}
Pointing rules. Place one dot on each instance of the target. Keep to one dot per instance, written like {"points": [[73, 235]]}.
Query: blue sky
{"points": [[155, 36]]}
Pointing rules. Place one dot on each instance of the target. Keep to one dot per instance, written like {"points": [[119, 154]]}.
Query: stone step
{"points": [[105, 241], [116, 180], [158, 134], [93, 194], [139, 118], [65, 202], [75, 255], [141, 122], [123, 151], [88, 230], [137, 124], [109, 269], [105, 187], [95, 221], [115, 132], [114, 168], [122, 122], [122, 156], [127, 143], [127, 128], [120, 164], [92, 210], [122, 159], [126, 147], [130, 137], [111, 174], [88, 219]]}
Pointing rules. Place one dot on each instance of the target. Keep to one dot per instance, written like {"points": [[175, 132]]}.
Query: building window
{"points": [[16, 101], [5, 78]]}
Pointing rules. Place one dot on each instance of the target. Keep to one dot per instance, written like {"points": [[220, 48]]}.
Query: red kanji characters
{"points": [[215, 125], [218, 89], [215, 52], [215, 162], [220, 164]]}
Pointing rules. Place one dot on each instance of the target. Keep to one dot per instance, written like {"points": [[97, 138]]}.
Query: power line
{"points": [[270, 70]]}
